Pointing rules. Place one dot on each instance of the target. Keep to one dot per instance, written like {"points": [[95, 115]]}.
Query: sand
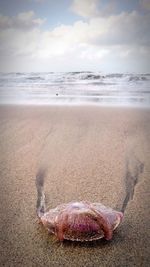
{"points": [[85, 150]]}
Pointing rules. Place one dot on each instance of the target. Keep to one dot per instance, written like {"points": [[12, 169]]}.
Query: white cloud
{"points": [[125, 28], [92, 8], [118, 41]]}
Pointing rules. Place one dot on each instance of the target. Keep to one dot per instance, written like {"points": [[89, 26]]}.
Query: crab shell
{"points": [[82, 221]]}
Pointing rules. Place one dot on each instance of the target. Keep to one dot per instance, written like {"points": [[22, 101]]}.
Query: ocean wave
{"points": [[50, 87], [114, 75], [137, 78], [75, 77], [35, 78], [92, 77]]}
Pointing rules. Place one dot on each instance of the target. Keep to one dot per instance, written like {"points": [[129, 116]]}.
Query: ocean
{"points": [[75, 88]]}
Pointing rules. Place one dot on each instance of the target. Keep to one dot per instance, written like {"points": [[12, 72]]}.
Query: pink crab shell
{"points": [[82, 221]]}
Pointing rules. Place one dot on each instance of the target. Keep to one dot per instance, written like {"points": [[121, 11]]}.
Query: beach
{"points": [[85, 150]]}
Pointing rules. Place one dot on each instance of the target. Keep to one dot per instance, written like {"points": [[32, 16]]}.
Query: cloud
{"points": [[125, 28], [92, 8], [25, 20], [122, 29], [109, 42]]}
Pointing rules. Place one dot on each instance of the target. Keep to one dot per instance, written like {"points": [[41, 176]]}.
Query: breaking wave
{"points": [[75, 87]]}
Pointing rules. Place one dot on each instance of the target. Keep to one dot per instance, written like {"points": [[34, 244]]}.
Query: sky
{"points": [[75, 35]]}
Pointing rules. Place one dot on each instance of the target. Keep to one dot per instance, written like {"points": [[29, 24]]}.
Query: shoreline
{"points": [[78, 105]]}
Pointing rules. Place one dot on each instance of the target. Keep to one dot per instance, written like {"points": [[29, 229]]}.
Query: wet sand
{"points": [[85, 150]]}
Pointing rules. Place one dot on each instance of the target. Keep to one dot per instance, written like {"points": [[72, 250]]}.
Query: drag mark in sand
{"points": [[40, 176], [40, 205], [134, 168]]}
